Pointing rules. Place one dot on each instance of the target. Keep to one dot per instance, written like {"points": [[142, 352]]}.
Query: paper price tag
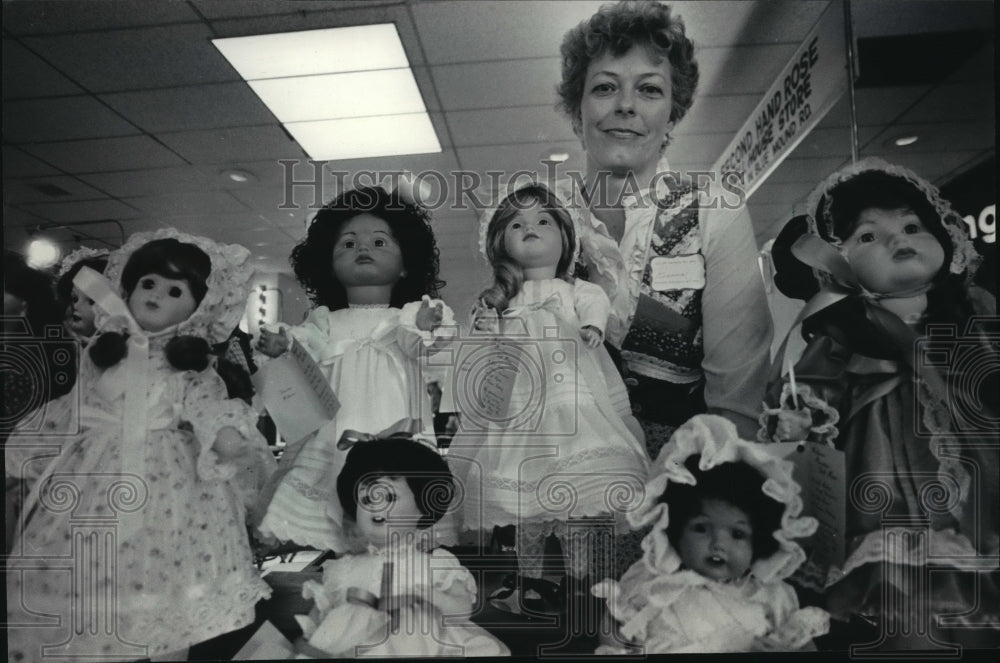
{"points": [[677, 272], [296, 394]]}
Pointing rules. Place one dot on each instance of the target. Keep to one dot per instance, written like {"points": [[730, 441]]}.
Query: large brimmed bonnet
{"points": [[799, 281], [716, 440]]}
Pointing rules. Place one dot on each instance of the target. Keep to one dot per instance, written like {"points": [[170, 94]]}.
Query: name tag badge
{"points": [[677, 272]]}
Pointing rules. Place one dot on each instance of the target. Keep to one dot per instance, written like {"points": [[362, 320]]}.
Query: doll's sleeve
{"points": [[415, 341], [208, 410], [454, 589], [314, 332], [793, 627], [592, 304]]}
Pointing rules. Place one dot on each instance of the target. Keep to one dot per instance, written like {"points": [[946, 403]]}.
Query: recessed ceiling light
{"points": [[342, 93], [240, 176], [42, 254], [559, 157], [903, 141]]}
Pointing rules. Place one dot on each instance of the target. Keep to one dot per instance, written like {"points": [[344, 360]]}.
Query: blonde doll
{"points": [[161, 458], [723, 513], [577, 438]]}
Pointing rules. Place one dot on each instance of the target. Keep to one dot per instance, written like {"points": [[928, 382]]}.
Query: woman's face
{"points": [[892, 251], [625, 112]]}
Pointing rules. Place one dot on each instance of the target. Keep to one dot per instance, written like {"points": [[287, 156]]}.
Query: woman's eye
{"points": [[603, 88], [866, 238], [651, 91], [147, 284], [379, 243], [175, 292]]}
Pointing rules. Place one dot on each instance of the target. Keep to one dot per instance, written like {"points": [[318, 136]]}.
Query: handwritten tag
{"points": [[296, 394], [677, 272], [485, 375]]}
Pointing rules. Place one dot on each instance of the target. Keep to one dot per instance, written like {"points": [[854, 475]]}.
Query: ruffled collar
{"points": [[716, 439], [225, 299]]}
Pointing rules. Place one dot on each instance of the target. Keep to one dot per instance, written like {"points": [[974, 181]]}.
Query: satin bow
{"points": [[404, 429]]}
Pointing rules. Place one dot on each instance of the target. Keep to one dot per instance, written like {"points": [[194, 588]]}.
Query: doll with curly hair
{"points": [[370, 264]]}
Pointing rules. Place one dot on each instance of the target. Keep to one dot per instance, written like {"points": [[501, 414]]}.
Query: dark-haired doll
{"points": [[392, 600], [883, 260], [160, 450], [723, 512], [370, 264]]}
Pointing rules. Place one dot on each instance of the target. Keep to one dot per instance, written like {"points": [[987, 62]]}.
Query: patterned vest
{"points": [[664, 340]]}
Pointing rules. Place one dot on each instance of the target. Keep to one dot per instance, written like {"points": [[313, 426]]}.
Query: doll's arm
{"points": [[453, 589], [230, 446], [435, 315], [592, 308]]}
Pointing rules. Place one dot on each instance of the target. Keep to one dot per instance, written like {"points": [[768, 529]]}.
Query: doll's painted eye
{"points": [[147, 284], [912, 228], [175, 292], [543, 221], [349, 244], [739, 534], [379, 243], [515, 225], [866, 238], [698, 528]]}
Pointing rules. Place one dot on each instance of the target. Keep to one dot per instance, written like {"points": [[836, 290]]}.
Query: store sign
{"points": [[808, 86]]}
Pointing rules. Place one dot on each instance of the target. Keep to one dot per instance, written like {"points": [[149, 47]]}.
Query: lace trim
{"points": [[496, 481], [367, 306]]}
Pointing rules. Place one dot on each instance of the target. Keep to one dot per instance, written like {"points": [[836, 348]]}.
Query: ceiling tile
{"points": [[510, 159], [741, 70], [94, 156], [980, 67], [15, 217], [233, 144], [944, 137], [25, 75], [497, 84], [39, 189], [213, 224], [141, 59], [874, 106], [65, 118], [807, 169], [86, 210], [148, 182], [192, 108], [18, 164], [179, 204], [21, 18], [504, 126], [214, 9], [787, 193], [961, 102], [821, 142]]}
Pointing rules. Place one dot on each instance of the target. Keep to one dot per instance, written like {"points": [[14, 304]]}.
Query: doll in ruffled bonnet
{"points": [[158, 453], [886, 267], [723, 514]]}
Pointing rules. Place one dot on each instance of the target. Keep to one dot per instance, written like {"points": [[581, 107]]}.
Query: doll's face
{"points": [[718, 542], [533, 239], [386, 504], [892, 251], [366, 253], [158, 302], [80, 314]]}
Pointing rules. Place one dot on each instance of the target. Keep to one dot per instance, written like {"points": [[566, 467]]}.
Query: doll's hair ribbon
{"points": [[405, 429]]}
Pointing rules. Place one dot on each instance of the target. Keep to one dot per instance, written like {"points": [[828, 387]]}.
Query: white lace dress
{"points": [[371, 358], [133, 539], [353, 617], [569, 446]]}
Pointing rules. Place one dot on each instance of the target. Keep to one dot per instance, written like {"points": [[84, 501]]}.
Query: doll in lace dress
{"points": [[893, 376], [137, 527], [723, 513], [568, 441], [401, 597], [370, 264]]}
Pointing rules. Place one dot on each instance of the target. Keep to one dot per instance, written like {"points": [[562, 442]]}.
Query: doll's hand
{"points": [[591, 335], [792, 425], [485, 318], [273, 345], [228, 443], [429, 316]]}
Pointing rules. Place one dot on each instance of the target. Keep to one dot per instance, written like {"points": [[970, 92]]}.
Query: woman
{"points": [[679, 263]]}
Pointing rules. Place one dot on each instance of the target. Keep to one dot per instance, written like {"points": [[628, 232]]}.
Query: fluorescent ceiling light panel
{"points": [[359, 137], [342, 93], [336, 96], [329, 51]]}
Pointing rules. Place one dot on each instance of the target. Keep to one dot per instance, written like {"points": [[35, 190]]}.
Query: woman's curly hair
{"points": [[312, 259], [735, 483], [614, 30], [508, 276]]}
